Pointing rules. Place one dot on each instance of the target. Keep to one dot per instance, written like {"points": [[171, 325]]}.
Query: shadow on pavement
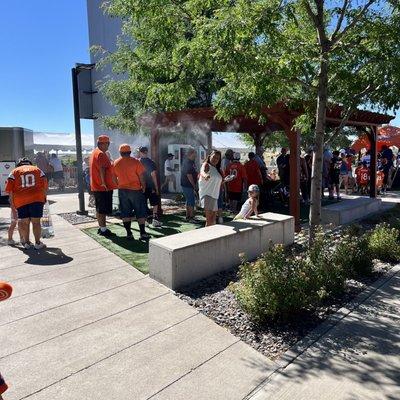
{"points": [[363, 347], [47, 256]]}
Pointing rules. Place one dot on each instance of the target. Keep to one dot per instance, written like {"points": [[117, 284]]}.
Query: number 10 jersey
{"points": [[27, 184]]}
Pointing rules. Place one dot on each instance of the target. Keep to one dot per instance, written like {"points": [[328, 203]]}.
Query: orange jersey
{"points": [[364, 175], [239, 171], [379, 179], [27, 184], [127, 171], [99, 160], [253, 173]]}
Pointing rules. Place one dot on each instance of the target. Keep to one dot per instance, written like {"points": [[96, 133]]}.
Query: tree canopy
{"points": [[242, 55]]}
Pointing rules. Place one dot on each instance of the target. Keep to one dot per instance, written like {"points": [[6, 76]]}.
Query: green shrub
{"points": [[353, 255], [353, 230], [328, 276], [274, 285], [383, 243]]}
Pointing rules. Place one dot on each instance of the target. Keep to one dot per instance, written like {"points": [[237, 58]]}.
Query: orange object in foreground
{"points": [[5, 290]]}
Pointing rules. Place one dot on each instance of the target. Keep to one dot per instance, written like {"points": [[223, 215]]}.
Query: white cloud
{"points": [[67, 139]]}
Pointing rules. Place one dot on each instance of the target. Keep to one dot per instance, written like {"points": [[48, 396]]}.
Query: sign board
{"points": [[85, 94], [5, 169]]}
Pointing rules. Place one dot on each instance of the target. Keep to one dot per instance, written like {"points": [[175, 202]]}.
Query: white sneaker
{"points": [[39, 246], [11, 242], [156, 223], [220, 220], [26, 245]]}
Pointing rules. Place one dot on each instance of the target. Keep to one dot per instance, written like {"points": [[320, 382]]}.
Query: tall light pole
{"points": [[83, 108]]}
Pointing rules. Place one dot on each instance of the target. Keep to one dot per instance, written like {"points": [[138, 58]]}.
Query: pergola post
{"points": [[209, 141], [372, 135], [294, 200], [155, 156]]}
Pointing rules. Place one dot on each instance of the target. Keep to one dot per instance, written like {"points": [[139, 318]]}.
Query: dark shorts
{"points": [[58, 175], [32, 210], [334, 179], [236, 196], [152, 197], [103, 201], [132, 203], [189, 196]]}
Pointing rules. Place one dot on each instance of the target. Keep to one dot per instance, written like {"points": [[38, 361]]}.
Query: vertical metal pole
{"points": [[155, 156], [78, 140], [294, 202], [373, 147]]}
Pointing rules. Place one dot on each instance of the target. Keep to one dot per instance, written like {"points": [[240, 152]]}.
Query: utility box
{"points": [[15, 143]]}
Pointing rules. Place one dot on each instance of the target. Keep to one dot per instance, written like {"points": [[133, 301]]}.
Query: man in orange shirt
{"points": [[27, 186], [238, 182], [253, 171], [101, 183], [131, 182]]}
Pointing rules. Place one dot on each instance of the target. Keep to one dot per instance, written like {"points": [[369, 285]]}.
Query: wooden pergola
{"points": [[279, 118]]}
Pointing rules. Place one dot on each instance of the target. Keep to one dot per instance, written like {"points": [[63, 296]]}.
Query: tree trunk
{"points": [[258, 142], [316, 176]]}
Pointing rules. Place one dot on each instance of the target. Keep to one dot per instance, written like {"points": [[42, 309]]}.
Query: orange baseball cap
{"points": [[103, 139], [124, 148]]}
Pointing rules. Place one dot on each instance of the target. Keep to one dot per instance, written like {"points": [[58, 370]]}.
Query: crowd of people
{"points": [[52, 167], [222, 183]]}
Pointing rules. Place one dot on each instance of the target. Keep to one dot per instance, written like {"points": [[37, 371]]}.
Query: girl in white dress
{"points": [[250, 206], [210, 182]]}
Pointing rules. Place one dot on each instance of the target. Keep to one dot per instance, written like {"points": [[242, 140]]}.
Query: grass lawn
{"points": [[135, 252]]}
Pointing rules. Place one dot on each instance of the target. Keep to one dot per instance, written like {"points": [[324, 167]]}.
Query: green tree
{"points": [[243, 55]]}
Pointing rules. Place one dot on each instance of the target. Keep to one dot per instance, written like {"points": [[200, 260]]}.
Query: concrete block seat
{"points": [[181, 259], [350, 209]]}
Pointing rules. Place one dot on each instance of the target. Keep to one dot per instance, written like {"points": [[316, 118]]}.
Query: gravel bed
{"points": [[213, 298], [75, 219]]}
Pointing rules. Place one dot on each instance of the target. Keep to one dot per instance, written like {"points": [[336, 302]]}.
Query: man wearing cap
{"points": [[27, 186], [131, 182], [169, 173], [237, 183], [151, 193], [101, 183]]}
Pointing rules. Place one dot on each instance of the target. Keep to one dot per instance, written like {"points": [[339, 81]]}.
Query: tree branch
{"points": [[356, 19], [318, 19], [350, 110], [340, 19]]}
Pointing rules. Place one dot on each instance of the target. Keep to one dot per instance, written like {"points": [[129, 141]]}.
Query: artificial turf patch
{"points": [[135, 252]]}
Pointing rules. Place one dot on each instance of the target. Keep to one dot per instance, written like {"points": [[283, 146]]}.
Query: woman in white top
{"points": [[210, 181]]}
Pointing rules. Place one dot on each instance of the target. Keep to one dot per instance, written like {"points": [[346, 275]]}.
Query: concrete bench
{"points": [[350, 209], [181, 259]]}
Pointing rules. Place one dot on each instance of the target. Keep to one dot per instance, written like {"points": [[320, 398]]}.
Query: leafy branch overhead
{"points": [[240, 55]]}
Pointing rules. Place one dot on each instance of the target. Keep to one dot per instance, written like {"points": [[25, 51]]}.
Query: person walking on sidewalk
{"points": [[152, 193], [27, 186], [101, 183], [129, 175]]}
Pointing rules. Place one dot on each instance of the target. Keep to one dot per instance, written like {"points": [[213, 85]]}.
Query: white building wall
{"points": [[103, 31]]}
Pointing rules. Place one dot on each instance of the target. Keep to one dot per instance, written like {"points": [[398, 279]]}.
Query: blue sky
{"points": [[40, 40]]}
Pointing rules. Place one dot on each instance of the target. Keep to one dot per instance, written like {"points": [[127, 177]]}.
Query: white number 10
{"points": [[27, 180]]}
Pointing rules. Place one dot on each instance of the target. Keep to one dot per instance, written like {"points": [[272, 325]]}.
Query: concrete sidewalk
{"points": [[358, 359], [83, 324]]}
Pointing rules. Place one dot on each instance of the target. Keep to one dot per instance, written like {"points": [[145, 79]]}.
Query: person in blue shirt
{"points": [[189, 177], [152, 193]]}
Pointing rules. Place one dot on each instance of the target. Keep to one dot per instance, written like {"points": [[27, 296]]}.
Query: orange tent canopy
{"points": [[387, 135]]}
